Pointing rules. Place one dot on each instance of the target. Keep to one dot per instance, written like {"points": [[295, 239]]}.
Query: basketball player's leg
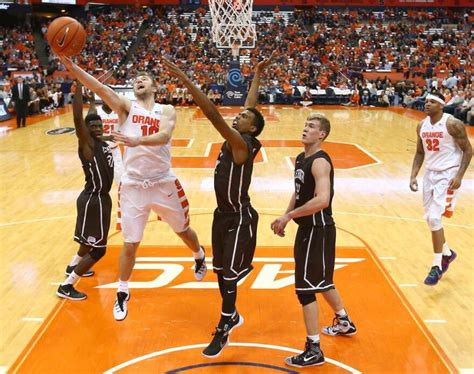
{"points": [[437, 201], [224, 241], [305, 291], [171, 204], [92, 226], [342, 324], [134, 201]]}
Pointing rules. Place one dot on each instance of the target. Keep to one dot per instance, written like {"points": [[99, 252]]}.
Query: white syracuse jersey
{"points": [[110, 122], [145, 162], [441, 151]]}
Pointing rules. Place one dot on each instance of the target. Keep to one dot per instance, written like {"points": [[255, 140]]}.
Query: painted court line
{"points": [[195, 346], [33, 319], [256, 259]]}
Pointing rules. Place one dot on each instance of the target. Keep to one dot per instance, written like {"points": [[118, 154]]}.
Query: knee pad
{"points": [[97, 253], [306, 299], [434, 223]]}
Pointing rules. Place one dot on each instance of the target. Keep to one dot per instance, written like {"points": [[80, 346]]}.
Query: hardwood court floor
{"points": [[384, 253]]}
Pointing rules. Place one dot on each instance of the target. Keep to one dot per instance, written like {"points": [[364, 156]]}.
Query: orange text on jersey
{"points": [[136, 119], [432, 135]]}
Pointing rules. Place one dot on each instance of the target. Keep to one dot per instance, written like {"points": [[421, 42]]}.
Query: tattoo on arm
{"points": [[457, 130]]}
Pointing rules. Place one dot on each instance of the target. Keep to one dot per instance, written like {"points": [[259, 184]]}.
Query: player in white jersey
{"points": [[148, 183], [443, 144]]}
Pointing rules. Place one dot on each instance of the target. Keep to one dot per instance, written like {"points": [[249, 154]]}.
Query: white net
{"points": [[232, 23]]}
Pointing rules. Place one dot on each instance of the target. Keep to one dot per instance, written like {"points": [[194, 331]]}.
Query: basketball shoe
{"points": [[312, 356], [68, 291], [434, 276], [120, 306], [341, 326], [200, 270], [221, 336], [446, 260]]}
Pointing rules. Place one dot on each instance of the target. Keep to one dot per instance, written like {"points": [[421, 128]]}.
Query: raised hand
{"points": [[173, 69], [264, 63]]}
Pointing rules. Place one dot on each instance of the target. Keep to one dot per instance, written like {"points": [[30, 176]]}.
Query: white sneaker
{"points": [[341, 326], [200, 268], [120, 306]]}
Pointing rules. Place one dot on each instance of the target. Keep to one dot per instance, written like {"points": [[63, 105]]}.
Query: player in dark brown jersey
{"points": [[315, 242], [94, 204], [234, 227]]}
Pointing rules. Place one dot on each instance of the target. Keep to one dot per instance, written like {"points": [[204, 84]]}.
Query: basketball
{"points": [[66, 36]]}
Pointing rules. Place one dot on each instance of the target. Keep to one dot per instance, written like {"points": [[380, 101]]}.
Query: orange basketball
{"points": [[66, 36]]}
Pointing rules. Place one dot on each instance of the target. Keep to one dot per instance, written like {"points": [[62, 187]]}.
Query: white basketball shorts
{"points": [[438, 200], [165, 197]]}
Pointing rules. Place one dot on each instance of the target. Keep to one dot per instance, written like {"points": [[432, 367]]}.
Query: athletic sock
{"points": [[341, 313], [446, 249], [314, 338], [437, 259], [123, 286], [199, 254], [71, 279]]}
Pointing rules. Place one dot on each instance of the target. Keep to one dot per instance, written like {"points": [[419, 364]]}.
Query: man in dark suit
{"points": [[21, 98]]}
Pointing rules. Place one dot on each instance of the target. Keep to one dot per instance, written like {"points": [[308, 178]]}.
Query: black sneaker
{"points": [[200, 269], [120, 306], [341, 326], [70, 269], [221, 336], [312, 356], [68, 291]]}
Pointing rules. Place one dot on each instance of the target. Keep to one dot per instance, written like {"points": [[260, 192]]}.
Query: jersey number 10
{"points": [[149, 130]]}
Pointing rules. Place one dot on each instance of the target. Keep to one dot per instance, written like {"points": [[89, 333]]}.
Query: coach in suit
{"points": [[21, 98]]}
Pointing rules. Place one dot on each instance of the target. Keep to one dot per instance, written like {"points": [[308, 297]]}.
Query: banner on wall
{"points": [[235, 93]]}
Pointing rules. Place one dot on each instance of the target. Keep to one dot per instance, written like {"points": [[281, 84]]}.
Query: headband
{"points": [[435, 98]]}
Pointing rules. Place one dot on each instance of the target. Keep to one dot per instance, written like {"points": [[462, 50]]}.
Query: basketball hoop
{"points": [[231, 22]]}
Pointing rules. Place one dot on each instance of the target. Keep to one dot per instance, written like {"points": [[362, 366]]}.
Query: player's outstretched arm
{"points": [[119, 104], [92, 104], [237, 143], [252, 96], [457, 130], [82, 132], [417, 160]]}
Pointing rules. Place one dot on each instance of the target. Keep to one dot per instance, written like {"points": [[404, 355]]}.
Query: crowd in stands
{"points": [[318, 49]]}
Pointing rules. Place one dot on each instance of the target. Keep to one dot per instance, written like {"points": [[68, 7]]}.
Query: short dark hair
{"points": [[258, 121], [92, 117], [439, 94]]}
